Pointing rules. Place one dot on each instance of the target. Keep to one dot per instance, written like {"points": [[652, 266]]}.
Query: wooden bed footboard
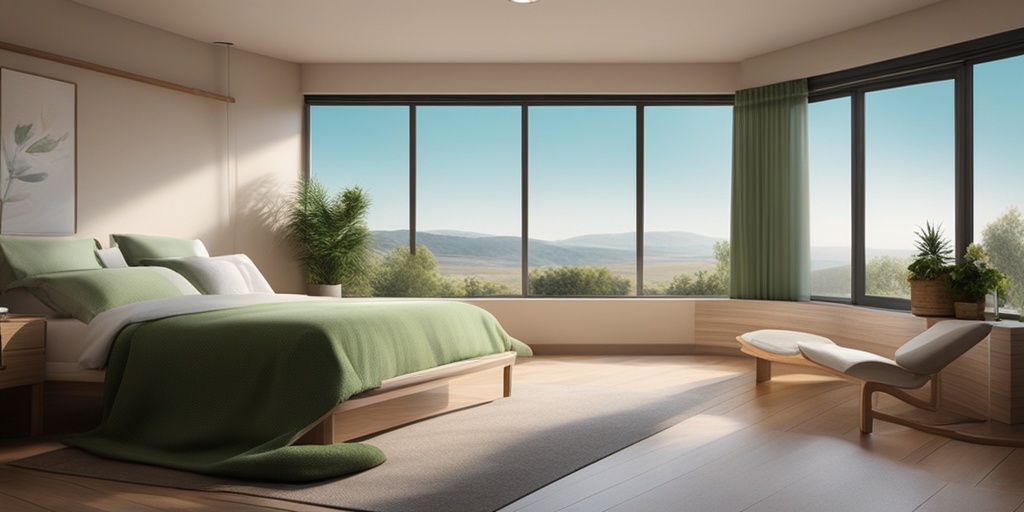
{"points": [[412, 397]]}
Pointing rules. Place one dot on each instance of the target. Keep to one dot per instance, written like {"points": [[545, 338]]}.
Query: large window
{"points": [[829, 147], [998, 165], [909, 177], [468, 190], [931, 138], [582, 200], [451, 215], [687, 187]]}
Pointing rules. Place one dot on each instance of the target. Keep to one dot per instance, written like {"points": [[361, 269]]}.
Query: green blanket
{"points": [[223, 392]]}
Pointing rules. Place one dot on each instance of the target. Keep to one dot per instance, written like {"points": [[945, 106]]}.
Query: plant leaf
{"points": [[22, 133], [20, 196], [46, 144], [32, 178], [14, 168]]}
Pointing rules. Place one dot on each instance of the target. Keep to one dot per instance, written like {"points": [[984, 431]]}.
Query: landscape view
{"points": [[669, 258]]}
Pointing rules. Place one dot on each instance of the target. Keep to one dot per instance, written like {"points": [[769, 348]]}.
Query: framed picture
{"points": [[38, 145]]}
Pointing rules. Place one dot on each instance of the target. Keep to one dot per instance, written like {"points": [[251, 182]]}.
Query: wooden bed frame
{"points": [[412, 397], [398, 401]]}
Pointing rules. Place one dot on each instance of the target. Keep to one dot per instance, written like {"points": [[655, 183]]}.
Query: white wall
{"points": [[153, 160]]}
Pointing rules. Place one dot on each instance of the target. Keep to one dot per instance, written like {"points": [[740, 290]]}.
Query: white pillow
{"points": [[255, 280], [111, 258], [222, 275]]}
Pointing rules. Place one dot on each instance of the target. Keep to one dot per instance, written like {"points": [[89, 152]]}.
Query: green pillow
{"points": [[26, 257], [84, 294], [136, 248]]}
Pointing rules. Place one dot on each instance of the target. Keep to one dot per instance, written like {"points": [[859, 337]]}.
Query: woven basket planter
{"points": [[970, 310], [930, 298]]}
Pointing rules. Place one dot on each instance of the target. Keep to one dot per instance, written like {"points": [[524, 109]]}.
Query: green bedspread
{"points": [[223, 392]]}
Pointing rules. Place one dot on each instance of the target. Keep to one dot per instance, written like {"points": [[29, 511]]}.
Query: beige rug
{"points": [[478, 459]]}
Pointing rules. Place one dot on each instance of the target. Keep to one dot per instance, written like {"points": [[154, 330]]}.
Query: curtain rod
{"points": [[113, 71]]}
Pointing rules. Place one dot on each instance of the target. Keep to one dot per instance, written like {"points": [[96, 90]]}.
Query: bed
{"points": [[218, 375]]}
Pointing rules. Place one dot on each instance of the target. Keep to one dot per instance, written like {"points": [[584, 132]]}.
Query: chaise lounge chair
{"points": [[916, 363]]}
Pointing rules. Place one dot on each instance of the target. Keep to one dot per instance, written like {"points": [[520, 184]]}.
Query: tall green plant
{"points": [[330, 232], [933, 254]]}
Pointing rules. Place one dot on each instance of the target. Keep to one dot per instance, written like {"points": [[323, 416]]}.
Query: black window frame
{"points": [[954, 62], [524, 102]]}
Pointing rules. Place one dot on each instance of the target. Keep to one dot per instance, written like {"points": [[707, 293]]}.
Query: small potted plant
{"points": [[330, 235], [972, 280], [929, 272]]}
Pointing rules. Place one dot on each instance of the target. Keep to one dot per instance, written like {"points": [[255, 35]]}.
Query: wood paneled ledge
{"points": [[99, 68]]}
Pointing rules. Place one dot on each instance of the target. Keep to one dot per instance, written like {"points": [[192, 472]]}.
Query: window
{"points": [[468, 181], [909, 178], [366, 146], [998, 161], [463, 226], [582, 200], [829, 146], [687, 194], [933, 138]]}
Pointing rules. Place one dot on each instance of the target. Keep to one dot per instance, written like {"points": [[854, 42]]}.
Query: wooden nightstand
{"points": [[23, 360]]}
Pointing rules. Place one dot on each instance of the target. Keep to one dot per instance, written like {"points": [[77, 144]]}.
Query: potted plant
{"points": [[929, 272], [330, 235], [971, 280]]}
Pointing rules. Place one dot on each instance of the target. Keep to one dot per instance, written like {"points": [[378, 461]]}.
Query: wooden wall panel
{"points": [[1007, 373]]}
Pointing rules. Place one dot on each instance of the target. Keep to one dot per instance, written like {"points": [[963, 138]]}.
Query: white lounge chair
{"points": [[916, 363]]}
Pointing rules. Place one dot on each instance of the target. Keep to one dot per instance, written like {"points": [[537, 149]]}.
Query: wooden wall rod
{"points": [[113, 71]]}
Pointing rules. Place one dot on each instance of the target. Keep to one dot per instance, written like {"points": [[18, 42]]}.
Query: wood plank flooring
{"points": [[786, 445]]}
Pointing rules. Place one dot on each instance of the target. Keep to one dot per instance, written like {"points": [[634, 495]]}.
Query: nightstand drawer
{"points": [[23, 367], [18, 335]]}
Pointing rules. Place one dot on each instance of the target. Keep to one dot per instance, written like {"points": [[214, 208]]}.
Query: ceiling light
{"points": [[522, 1]]}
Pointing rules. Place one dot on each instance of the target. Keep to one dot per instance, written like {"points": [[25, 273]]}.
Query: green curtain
{"points": [[770, 228]]}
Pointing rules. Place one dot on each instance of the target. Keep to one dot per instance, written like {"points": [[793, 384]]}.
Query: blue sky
{"points": [[582, 167], [910, 158]]}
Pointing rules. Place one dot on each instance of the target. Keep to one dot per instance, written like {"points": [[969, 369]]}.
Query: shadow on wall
{"points": [[262, 210]]}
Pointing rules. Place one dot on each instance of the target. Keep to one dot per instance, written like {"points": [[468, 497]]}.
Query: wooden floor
{"points": [[787, 445]]}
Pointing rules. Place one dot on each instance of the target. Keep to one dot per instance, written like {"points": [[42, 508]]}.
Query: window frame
{"points": [[954, 62], [524, 102]]}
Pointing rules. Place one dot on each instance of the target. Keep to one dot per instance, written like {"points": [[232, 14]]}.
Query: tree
{"points": [[886, 276], [403, 274], [1004, 240], [476, 287], [705, 282], [576, 281]]}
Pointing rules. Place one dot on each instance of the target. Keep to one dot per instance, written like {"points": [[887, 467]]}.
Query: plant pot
{"points": [[970, 310], [930, 298], [324, 290]]}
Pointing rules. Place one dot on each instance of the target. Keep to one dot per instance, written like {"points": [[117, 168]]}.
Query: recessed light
{"points": [[522, 1]]}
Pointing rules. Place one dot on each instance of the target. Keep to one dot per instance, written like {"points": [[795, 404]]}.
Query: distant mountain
{"points": [[827, 257], [656, 243], [463, 248], [460, 248]]}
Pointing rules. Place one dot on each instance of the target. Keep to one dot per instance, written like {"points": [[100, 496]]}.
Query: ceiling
{"points": [[499, 31]]}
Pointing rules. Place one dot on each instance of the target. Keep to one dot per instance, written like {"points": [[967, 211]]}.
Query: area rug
{"points": [[477, 459]]}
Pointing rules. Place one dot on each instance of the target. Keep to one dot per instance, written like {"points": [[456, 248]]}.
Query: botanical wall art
{"points": [[38, 146]]}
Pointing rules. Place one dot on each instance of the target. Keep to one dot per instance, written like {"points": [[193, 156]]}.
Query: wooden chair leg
{"points": [[867, 420], [764, 370]]}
